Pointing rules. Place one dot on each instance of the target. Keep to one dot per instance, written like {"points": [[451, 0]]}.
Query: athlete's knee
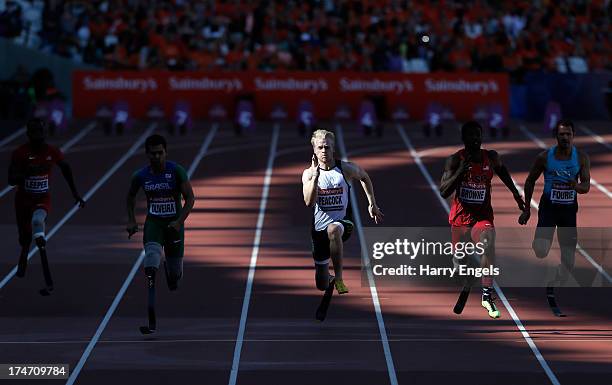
{"points": [[487, 237], [541, 247], [38, 223], [153, 252], [487, 240], [335, 231], [322, 275], [483, 232]]}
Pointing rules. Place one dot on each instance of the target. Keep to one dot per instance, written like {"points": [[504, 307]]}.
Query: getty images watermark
{"points": [[405, 256], [408, 249]]}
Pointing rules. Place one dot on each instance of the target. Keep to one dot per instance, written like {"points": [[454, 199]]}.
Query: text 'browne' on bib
{"points": [[472, 194]]}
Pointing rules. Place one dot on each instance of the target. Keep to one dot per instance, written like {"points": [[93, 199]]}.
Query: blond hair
{"points": [[322, 134]]}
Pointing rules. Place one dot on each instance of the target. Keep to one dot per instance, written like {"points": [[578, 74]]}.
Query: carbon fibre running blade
{"points": [[325, 301], [552, 302], [463, 296]]}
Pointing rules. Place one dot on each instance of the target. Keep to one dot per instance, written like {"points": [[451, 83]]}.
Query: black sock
{"points": [[42, 250], [486, 292]]}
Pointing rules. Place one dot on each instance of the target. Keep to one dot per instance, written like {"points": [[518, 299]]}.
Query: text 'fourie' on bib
{"points": [[37, 184], [561, 193], [473, 193], [163, 207], [330, 199]]}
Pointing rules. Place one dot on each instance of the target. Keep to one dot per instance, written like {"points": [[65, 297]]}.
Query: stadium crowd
{"points": [[369, 35]]}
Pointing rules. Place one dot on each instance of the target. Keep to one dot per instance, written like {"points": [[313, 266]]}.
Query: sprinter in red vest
{"points": [[468, 174], [30, 171]]}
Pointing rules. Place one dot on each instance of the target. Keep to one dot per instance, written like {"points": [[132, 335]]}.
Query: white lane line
{"points": [[77, 138], [551, 376], [309, 340], [203, 150], [12, 137], [254, 254], [111, 310], [535, 205], [366, 262], [64, 148], [419, 163], [87, 196], [595, 136]]}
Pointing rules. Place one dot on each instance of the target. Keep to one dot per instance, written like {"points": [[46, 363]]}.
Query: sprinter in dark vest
{"points": [[567, 173]]}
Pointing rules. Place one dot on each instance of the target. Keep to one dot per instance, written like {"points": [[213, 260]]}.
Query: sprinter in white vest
{"points": [[326, 188]]}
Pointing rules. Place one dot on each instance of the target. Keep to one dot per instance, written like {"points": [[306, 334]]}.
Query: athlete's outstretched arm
{"points": [[132, 226], [187, 192], [355, 172], [503, 174], [536, 170], [310, 177], [67, 173], [585, 175], [453, 170]]}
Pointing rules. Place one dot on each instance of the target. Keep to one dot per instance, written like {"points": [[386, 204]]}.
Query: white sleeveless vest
{"points": [[332, 198]]}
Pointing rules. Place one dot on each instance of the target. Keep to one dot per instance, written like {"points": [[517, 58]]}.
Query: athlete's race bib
{"points": [[330, 199], [473, 193], [37, 184], [163, 207], [562, 194]]}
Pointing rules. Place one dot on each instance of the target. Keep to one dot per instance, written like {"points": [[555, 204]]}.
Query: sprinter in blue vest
{"points": [[165, 184], [566, 174]]}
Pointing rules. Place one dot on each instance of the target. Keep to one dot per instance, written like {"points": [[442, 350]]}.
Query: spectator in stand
{"points": [[369, 35], [10, 20]]}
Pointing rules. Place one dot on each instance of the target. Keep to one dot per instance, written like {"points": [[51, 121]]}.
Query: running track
{"points": [[242, 224]]}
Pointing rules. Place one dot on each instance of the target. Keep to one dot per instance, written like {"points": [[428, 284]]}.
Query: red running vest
{"points": [[472, 200]]}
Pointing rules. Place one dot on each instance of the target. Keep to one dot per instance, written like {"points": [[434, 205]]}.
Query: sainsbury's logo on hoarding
{"points": [[291, 84], [204, 84], [376, 85], [214, 92], [94, 83], [461, 86]]}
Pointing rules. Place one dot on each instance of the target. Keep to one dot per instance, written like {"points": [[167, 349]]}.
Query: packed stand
{"points": [[375, 35]]}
